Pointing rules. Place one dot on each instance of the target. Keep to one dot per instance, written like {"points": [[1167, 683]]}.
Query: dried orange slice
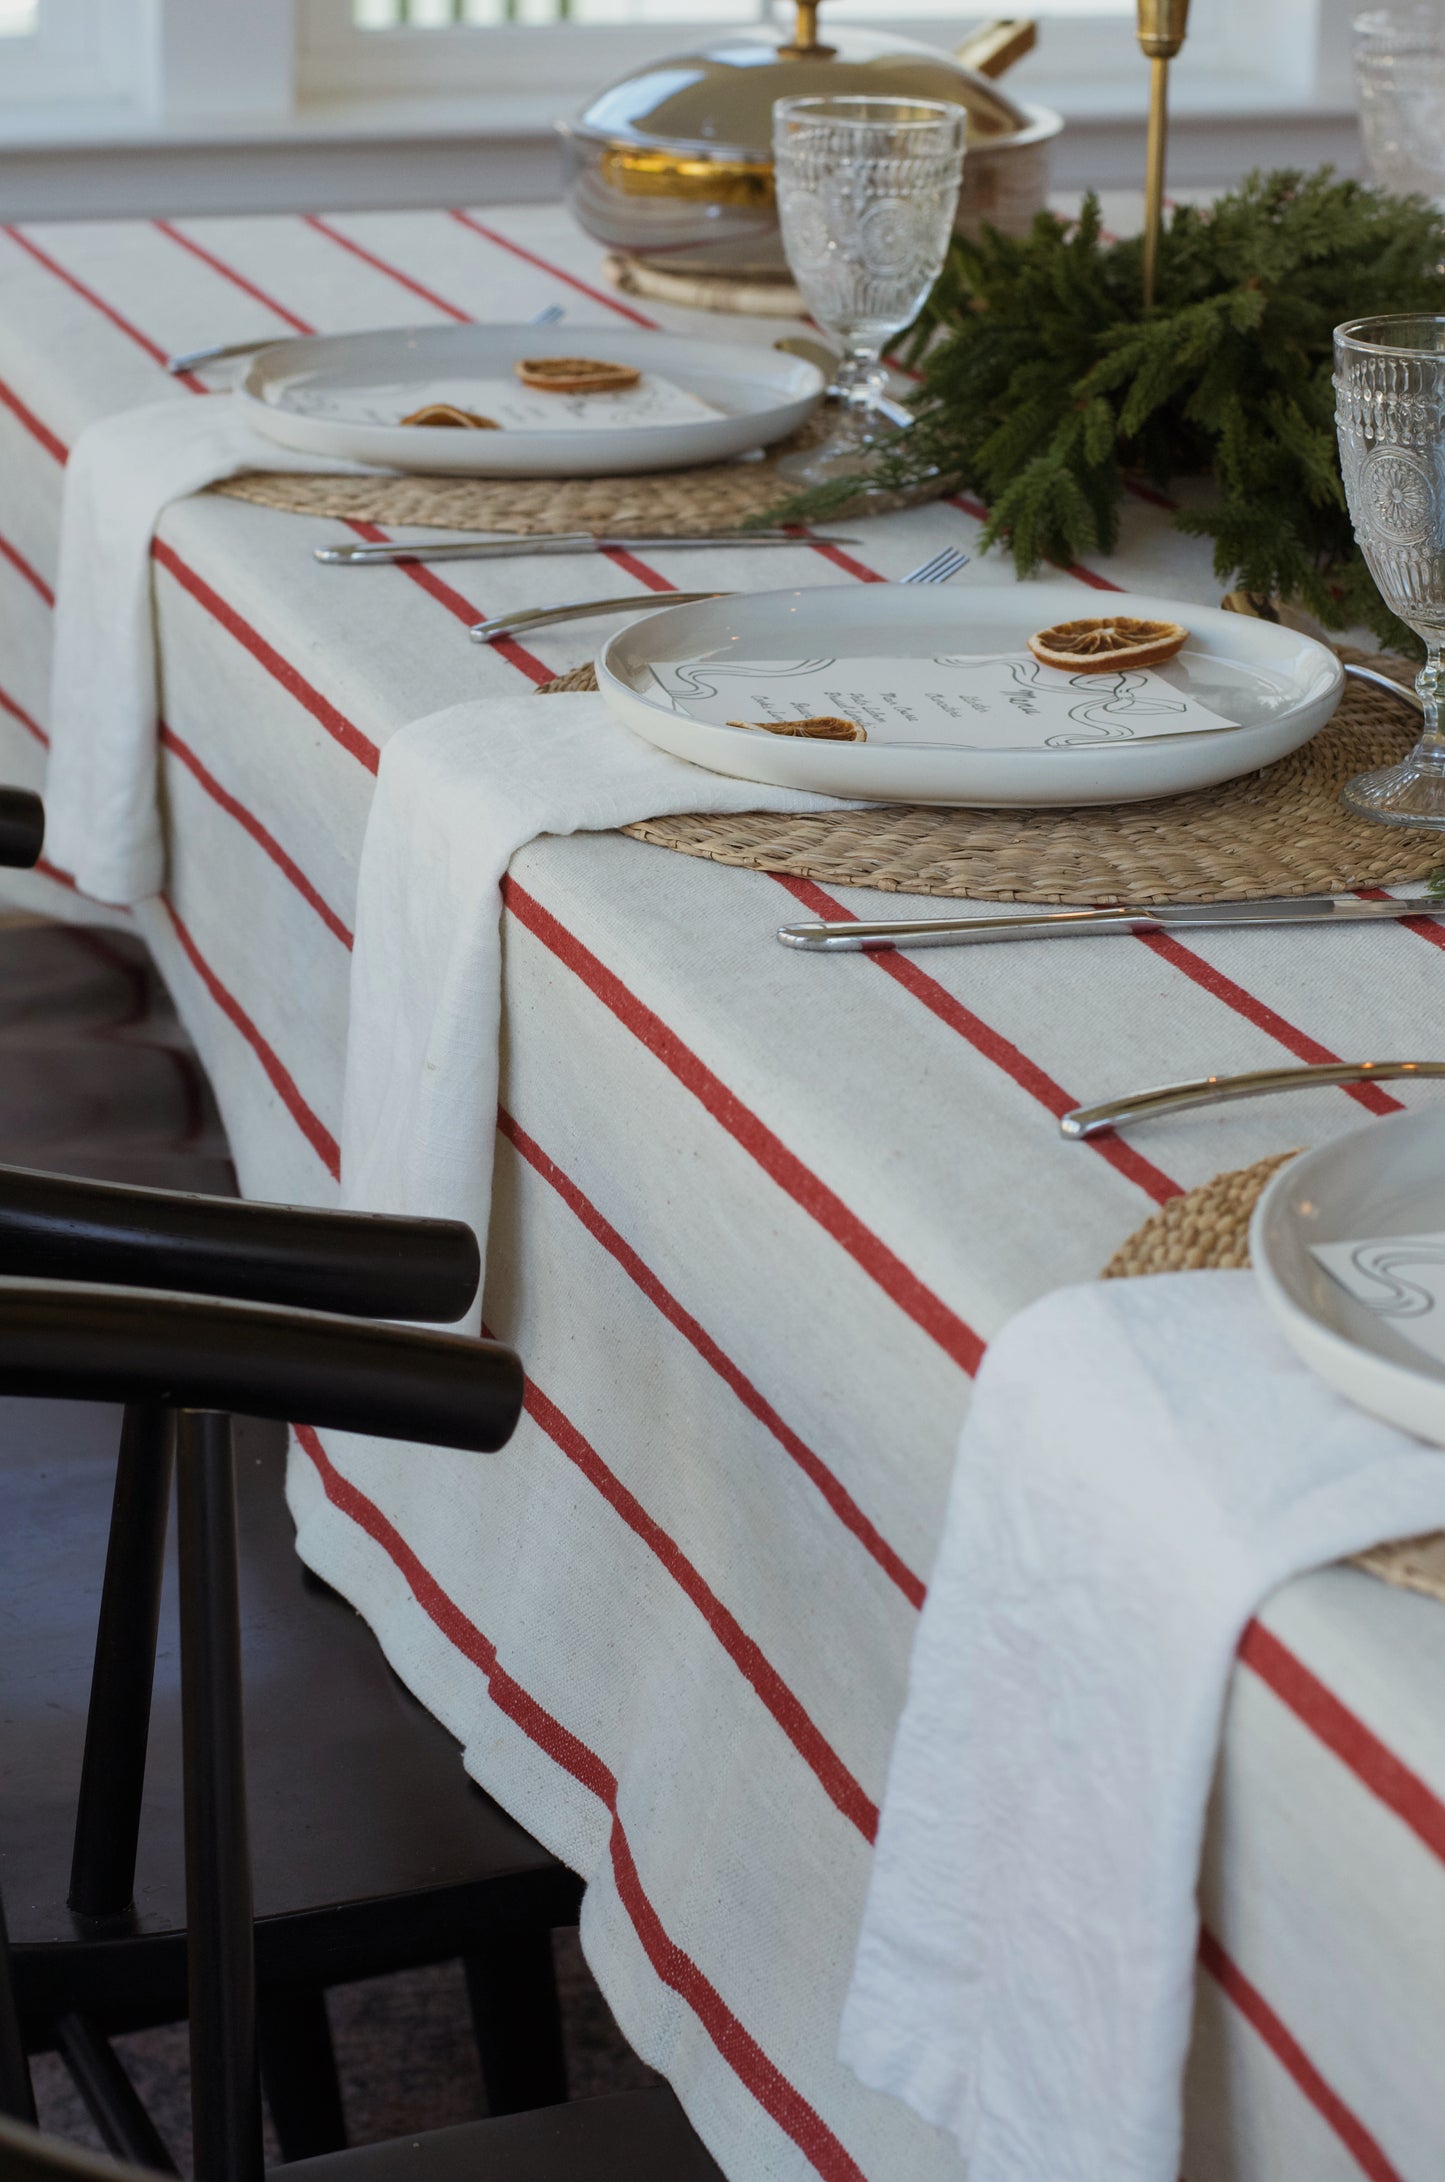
{"points": [[1106, 642], [821, 726], [447, 413], [575, 375]]}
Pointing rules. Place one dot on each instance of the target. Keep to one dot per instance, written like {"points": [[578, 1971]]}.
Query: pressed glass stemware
{"points": [[867, 189], [1390, 417]]}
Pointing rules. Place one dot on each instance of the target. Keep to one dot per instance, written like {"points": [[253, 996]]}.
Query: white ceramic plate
{"points": [[1384, 1180], [343, 395], [1274, 687]]}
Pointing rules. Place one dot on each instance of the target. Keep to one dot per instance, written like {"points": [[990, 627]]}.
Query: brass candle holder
{"points": [[1161, 28]]}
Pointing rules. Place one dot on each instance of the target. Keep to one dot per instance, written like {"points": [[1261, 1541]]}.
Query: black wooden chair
{"points": [[200, 1361], [379, 1855]]}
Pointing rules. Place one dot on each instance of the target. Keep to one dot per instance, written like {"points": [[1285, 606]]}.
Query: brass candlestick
{"points": [[1162, 24]]}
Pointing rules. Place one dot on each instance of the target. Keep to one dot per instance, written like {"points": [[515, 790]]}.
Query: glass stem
{"points": [[1429, 688], [861, 377]]}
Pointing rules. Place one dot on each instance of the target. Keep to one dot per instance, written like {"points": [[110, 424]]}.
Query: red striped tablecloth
{"points": [[756, 1216]]}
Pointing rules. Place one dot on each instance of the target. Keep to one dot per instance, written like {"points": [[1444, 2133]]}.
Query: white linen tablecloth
{"points": [[755, 1216]]}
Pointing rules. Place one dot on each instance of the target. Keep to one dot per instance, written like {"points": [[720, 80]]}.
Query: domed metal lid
{"points": [[718, 102]]}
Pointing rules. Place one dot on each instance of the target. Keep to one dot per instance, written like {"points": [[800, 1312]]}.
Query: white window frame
{"points": [[1288, 52], [79, 50]]}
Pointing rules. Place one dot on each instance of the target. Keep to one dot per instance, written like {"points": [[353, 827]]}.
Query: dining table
{"points": [[756, 1216]]}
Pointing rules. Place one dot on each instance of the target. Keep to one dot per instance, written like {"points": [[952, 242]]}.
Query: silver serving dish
{"points": [[673, 165]]}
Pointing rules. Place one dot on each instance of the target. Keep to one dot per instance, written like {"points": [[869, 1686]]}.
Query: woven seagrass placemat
{"points": [[719, 496], [1209, 1228], [1279, 831]]}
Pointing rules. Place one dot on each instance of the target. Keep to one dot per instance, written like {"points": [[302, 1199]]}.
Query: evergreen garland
{"points": [[1045, 382]]}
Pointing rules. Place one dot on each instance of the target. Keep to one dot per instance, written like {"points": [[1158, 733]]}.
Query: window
{"points": [[67, 49]]}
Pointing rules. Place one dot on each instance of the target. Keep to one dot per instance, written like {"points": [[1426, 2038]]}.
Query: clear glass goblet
{"points": [[1400, 77], [867, 189], [1390, 417]]}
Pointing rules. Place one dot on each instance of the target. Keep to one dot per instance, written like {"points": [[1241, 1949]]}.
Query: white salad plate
{"points": [[1362, 1323], [344, 395], [910, 662]]}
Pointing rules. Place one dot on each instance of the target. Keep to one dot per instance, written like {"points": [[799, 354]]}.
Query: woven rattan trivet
{"points": [[1208, 1228], [720, 496], [1280, 831], [755, 298]]}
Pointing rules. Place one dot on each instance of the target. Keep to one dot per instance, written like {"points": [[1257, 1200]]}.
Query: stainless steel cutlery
{"points": [[579, 541], [1175, 1098], [937, 569], [860, 937]]}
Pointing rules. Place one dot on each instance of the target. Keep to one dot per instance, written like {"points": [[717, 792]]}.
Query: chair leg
{"points": [[225, 2080], [518, 2021], [111, 2099], [117, 1724], [298, 2072], [17, 2095]]}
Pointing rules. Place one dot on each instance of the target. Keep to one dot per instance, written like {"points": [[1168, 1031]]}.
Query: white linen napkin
{"points": [[1144, 1462], [101, 819], [457, 795]]}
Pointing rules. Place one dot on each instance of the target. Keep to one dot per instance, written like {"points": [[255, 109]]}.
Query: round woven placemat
{"points": [[1279, 831], [719, 496], [1208, 1228]]}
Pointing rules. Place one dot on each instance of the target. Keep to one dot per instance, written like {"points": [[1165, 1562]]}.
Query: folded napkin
{"points": [[1143, 1463], [101, 819], [456, 796]]}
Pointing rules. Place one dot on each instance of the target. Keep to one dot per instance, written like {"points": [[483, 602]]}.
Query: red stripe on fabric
{"points": [[969, 506], [752, 1663], [1296, 2063], [295, 684], [544, 265], [98, 303], [317, 1135], [48, 870], [32, 424], [22, 567], [1426, 926], [236, 279], [768, 2085], [260, 834], [1258, 1012], [778, 2098], [850, 565], [641, 1275], [391, 272], [426, 579], [630, 565], [18, 712], [1345, 1736], [1004, 1054], [898, 1282]]}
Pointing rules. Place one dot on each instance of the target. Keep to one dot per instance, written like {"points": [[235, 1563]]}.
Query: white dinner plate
{"points": [[344, 395], [1360, 1317], [674, 676]]}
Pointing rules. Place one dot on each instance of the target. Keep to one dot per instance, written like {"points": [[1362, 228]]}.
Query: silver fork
{"points": [[937, 569], [193, 359]]}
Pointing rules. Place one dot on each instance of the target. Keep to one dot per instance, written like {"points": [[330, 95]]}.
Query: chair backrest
{"points": [[202, 1360], [57, 1227], [22, 828]]}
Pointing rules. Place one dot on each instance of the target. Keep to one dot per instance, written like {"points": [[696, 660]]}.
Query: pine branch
{"points": [[1045, 381]]}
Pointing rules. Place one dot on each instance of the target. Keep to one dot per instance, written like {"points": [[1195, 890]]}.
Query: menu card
{"points": [[516, 408], [986, 701], [1400, 1278]]}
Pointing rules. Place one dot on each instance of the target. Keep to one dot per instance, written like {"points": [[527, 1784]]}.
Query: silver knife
{"points": [[577, 541], [860, 937]]}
